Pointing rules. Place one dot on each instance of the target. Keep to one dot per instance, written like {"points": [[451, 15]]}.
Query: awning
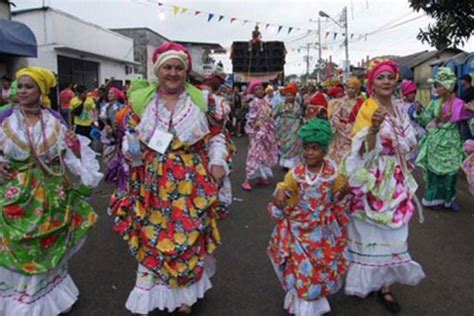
{"points": [[17, 39]]}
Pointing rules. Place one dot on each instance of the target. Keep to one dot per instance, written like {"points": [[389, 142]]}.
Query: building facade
{"points": [[145, 41], [77, 51]]}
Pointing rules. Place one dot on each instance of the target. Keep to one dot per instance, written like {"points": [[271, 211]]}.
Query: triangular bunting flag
{"points": [[309, 31], [197, 12], [279, 28], [335, 35], [245, 22], [183, 10], [352, 36], [160, 4], [209, 18], [175, 9], [267, 25], [290, 29], [220, 18], [232, 20], [327, 34]]}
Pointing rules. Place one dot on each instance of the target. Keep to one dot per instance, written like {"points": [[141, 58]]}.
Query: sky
{"points": [[380, 27]]}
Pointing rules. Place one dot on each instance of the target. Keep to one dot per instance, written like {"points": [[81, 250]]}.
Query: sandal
{"points": [[246, 186], [391, 305]]}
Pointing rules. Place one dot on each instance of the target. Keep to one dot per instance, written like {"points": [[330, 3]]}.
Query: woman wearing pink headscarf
{"points": [[263, 150], [409, 93], [383, 191], [169, 209]]}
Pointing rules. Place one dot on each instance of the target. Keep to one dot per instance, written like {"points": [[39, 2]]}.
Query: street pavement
{"points": [[245, 283]]}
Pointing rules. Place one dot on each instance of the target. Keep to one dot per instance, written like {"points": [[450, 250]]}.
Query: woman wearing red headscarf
{"points": [[263, 151], [383, 191], [342, 119], [168, 212], [288, 118]]}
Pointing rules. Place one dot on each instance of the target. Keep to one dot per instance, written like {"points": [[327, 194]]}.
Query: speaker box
{"points": [[271, 59]]}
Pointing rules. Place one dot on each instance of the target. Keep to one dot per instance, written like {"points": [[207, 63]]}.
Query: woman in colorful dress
{"points": [[317, 107], [169, 212], [288, 117], [45, 218], [441, 150], [342, 120], [383, 191], [263, 150], [308, 243]]}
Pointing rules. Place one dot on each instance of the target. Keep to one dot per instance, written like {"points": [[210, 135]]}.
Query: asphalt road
{"points": [[245, 283]]}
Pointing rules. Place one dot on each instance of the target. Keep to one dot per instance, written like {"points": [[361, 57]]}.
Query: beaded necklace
{"points": [[31, 141]]}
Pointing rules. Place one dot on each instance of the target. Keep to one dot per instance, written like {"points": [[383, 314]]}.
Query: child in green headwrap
{"points": [[12, 100], [308, 243]]}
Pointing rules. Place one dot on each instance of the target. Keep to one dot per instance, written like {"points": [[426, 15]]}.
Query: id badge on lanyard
{"points": [[160, 140]]}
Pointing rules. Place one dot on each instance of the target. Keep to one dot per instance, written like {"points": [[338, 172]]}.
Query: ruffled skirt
{"points": [[150, 294], [44, 294], [378, 257], [300, 307]]}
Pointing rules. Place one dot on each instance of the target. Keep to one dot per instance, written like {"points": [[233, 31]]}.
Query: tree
{"points": [[454, 21]]}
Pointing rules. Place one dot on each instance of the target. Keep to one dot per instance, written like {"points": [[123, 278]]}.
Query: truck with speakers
{"points": [[258, 60]]}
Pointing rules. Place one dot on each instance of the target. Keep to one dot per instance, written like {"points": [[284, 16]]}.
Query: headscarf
{"points": [[316, 131], [213, 81], [319, 99], [268, 89], [43, 77], [445, 77], [378, 66], [118, 93], [170, 50], [291, 88], [253, 84], [333, 92], [354, 82], [14, 90], [408, 87]]}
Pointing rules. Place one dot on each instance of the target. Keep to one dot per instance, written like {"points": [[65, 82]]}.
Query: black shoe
{"points": [[392, 306]]}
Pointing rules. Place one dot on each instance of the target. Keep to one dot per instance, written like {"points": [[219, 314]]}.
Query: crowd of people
{"points": [[342, 210]]}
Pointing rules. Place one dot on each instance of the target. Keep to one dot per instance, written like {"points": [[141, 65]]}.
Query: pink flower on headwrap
{"points": [[253, 84], [378, 66], [408, 87], [170, 50]]}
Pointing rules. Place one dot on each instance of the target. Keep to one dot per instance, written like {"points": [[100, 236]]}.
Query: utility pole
{"points": [[320, 50], [347, 64], [307, 62]]}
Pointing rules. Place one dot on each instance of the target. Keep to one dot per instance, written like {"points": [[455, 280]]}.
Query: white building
{"points": [[201, 53], [78, 51]]}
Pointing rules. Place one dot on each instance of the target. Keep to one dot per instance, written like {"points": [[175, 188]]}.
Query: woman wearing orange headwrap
{"points": [[342, 120], [383, 191], [288, 118]]}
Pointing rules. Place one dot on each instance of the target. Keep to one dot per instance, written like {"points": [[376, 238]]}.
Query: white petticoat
{"points": [[299, 307], [288, 162], [150, 294], [378, 257], [44, 294], [262, 172]]}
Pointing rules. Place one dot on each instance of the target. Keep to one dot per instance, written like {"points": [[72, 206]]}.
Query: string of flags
{"points": [[212, 16], [219, 17]]}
